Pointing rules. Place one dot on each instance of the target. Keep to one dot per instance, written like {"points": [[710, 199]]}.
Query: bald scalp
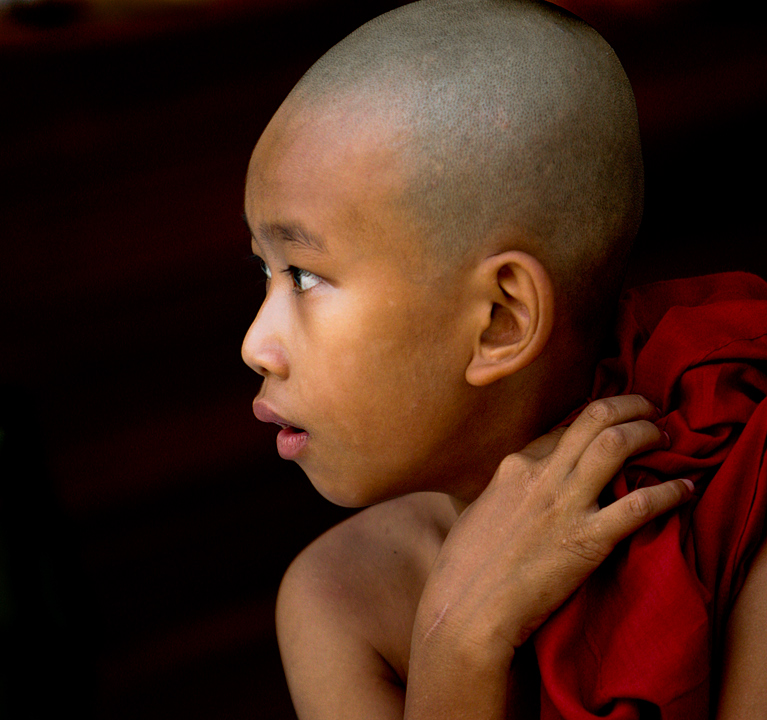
{"points": [[516, 128]]}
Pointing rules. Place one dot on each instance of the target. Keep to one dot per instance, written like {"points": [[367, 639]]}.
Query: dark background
{"points": [[145, 519]]}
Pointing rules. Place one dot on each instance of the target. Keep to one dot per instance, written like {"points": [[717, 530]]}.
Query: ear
{"points": [[515, 318]]}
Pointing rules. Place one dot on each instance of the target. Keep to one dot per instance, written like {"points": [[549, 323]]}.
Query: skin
{"points": [[393, 596], [418, 591], [508, 114], [352, 359], [427, 387]]}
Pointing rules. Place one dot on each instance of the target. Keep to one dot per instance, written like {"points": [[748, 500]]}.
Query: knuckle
{"points": [[516, 466], [587, 545], [640, 505], [511, 463], [614, 441], [603, 412]]}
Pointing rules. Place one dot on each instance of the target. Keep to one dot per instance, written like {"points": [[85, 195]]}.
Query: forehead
{"points": [[325, 159], [342, 172]]}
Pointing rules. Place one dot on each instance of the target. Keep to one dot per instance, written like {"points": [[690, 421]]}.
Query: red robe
{"points": [[647, 628]]}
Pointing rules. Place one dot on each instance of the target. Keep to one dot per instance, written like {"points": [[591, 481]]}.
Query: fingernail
{"points": [[690, 484]]}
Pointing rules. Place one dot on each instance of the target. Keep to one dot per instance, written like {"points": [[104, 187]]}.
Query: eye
{"points": [[303, 279], [264, 267]]}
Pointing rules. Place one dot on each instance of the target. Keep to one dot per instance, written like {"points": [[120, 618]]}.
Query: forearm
{"points": [[456, 670], [443, 688]]}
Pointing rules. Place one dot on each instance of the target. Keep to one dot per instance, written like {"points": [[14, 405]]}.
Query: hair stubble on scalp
{"points": [[520, 128]]}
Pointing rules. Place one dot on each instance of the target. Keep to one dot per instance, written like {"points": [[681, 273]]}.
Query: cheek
{"points": [[385, 380]]}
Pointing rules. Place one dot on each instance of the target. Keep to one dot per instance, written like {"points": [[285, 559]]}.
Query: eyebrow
{"points": [[293, 233]]}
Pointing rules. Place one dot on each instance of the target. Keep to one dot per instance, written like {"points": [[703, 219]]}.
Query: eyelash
{"points": [[297, 274]]}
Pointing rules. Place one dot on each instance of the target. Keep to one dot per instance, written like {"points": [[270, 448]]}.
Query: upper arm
{"points": [[346, 608], [743, 692], [333, 670]]}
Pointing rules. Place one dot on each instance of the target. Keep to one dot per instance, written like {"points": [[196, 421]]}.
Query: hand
{"points": [[537, 532]]}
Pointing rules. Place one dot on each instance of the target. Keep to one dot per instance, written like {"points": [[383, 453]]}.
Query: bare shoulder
{"points": [[743, 692], [347, 604]]}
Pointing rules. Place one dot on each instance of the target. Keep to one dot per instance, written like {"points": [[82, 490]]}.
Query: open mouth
{"points": [[265, 414], [291, 441], [287, 426]]}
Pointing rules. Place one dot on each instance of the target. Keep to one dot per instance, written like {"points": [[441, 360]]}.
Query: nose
{"points": [[262, 348]]}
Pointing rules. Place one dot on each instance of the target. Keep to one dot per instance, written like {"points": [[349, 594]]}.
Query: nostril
{"points": [[262, 348], [266, 361], [261, 370]]}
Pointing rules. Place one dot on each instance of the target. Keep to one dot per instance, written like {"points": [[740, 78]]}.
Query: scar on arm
{"points": [[436, 622]]}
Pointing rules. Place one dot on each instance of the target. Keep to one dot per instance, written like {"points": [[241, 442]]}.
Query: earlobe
{"points": [[516, 318]]}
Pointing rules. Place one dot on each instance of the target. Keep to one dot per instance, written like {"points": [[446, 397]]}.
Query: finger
{"points": [[609, 450], [636, 509], [543, 446], [597, 417]]}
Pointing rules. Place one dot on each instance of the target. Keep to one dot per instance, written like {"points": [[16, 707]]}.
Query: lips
{"points": [[291, 440], [265, 414]]}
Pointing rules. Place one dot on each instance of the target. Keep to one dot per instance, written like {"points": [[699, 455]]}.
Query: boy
{"points": [[443, 207]]}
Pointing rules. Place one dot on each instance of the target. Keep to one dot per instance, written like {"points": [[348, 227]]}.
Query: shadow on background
{"points": [[145, 520]]}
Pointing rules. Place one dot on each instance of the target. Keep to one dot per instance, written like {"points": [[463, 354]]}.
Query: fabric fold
{"points": [[640, 637]]}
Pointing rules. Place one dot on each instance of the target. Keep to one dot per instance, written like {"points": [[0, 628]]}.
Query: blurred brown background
{"points": [[145, 519]]}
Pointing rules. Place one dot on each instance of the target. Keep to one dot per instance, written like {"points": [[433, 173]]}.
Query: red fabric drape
{"points": [[644, 629]]}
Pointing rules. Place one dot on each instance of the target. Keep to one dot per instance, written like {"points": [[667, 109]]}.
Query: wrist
{"points": [[464, 639], [455, 672]]}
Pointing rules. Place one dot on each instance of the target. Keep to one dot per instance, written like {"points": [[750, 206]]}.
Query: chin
{"points": [[344, 496], [346, 490]]}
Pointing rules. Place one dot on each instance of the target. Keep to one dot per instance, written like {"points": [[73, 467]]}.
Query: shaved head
{"points": [[515, 127]]}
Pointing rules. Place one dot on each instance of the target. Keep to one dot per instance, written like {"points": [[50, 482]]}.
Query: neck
{"points": [[528, 406]]}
